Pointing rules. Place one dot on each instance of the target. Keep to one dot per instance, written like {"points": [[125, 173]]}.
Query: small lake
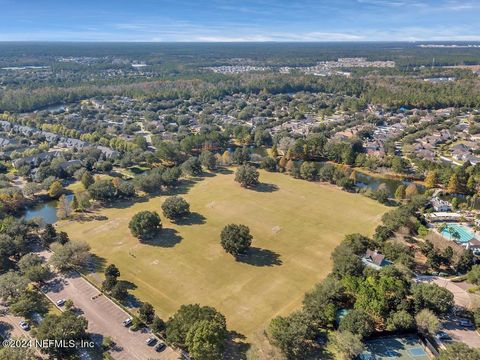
{"points": [[372, 183], [45, 210]]}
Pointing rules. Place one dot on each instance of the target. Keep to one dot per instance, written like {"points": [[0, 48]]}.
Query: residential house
{"points": [[375, 260], [440, 205]]}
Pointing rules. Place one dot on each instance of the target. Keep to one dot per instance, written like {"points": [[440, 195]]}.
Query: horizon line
{"points": [[240, 42]]}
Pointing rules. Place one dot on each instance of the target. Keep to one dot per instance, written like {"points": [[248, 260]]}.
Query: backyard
{"points": [[296, 224]]}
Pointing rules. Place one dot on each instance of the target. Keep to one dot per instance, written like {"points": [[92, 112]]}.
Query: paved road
{"points": [[105, 319], [10, 328], [460, 333]]}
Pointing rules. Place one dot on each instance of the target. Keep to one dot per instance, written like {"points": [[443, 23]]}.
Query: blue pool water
{"points": [[464, 234]]}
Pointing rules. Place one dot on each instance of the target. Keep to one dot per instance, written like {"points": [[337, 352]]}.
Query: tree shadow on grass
{"points": [[128, 284], [193, 218], [224, 171], [95, 264], [183, 187], [131, 302], [264, 187], [165, 238], [236, 348], [260, 257], [126, 203], [207, 175]]}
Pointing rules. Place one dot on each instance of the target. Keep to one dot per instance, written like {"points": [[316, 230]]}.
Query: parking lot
{"points": [[105, 319], [463, 299], [457, 332]]}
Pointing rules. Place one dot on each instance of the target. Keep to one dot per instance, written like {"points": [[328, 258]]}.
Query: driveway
{"points": [[461, 297]]}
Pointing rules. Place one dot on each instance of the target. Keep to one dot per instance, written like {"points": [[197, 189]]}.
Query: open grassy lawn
{"points": [[296, 225]]}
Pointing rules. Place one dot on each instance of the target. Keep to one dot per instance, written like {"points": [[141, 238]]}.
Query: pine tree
{"points": [[274, 153], [431, 180], [55, 189], [400, 192], [471, 185], [87, 180], [453, 184], [75, 204], [63, 208], [226, 158]]}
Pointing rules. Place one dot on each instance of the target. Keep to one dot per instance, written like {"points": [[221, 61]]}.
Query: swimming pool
{"points": [[458, 233]]}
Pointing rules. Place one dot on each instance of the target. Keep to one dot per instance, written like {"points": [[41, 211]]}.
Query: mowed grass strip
{"points": [[296, 225]]}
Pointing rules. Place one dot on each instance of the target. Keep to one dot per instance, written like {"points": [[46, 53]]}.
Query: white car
{"points": [[127, 322], [61, 302], [24, 325], [151, 340]]}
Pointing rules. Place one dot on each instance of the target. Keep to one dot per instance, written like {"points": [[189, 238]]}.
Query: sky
{"points": [[238, 21]]}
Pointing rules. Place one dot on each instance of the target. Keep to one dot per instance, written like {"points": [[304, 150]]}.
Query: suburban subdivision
{"points": [[262, 197]]}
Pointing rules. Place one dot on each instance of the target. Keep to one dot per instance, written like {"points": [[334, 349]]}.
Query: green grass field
{"points": [[296, 225]]}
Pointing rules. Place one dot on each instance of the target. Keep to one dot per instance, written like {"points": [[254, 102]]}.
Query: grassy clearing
{"points": [[295, 224]]}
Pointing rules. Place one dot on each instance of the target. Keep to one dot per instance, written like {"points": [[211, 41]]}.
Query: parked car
{"points": [[127, 322], [151, 340], [61, 302], [465, 323], [160, 347], [442, 335], [24, 325]]}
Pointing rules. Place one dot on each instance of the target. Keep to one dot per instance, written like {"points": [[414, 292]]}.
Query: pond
{"points": [[373, 182], [45, 210]]}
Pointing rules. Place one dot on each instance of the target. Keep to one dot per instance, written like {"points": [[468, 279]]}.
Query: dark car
{"points": [[465, 323], [160, 347], [442, 335]]}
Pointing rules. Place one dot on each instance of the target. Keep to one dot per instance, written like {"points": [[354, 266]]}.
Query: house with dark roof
{"points": [[35, 160], [375, 260], [107, 152]]}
